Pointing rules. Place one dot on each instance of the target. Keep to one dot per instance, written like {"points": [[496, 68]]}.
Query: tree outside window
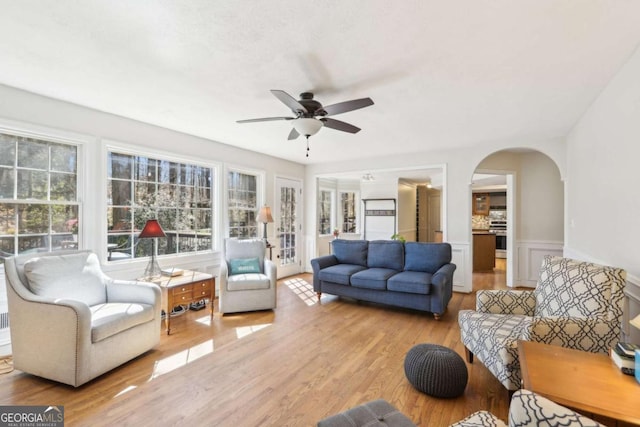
{"points": [[38, 195], [325, 206], [348, 211], [178, 194], [243, 204]]}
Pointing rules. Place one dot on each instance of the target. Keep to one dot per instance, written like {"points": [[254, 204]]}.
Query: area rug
{"points": [[6, 364]]}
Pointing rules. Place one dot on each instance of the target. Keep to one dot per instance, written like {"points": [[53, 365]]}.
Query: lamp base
{"points": [[153, 271]]}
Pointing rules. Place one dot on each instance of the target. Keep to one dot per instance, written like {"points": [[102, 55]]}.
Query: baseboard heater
{"points": [[4, 320]]}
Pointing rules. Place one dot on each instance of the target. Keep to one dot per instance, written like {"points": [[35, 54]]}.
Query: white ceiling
{"points": [[442, 74]]}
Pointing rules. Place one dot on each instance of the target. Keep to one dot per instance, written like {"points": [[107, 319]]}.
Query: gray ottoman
{"points": [[436, 370], [376, 413]]}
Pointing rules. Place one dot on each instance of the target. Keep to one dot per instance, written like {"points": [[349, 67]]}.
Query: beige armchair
{"points": [[70, 323], [247, 277], [575, 305]]}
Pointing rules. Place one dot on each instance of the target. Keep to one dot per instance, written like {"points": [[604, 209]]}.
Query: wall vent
{"points": [[4, 320]]}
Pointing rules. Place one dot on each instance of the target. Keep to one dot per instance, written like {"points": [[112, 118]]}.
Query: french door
{"points": [[288, 229]]}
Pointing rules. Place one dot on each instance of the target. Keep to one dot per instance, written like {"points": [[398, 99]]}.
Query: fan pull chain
{"points": [[307, 145]]}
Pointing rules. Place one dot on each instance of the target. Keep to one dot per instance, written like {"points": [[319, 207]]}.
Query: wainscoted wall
{"points": [[462, 280], [528, 259]]}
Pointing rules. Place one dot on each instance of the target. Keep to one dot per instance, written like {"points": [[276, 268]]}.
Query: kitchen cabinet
{"points": [[484, 251], [480, 203]]}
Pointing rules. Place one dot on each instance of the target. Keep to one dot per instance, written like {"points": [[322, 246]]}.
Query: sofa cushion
{"points": [[372, 278], [426, 257], [69, 276], [340, 273], [350, 251], [386, 254], [112, 318], [586, 286], [244, 265], [246, 282], [412, 282]]}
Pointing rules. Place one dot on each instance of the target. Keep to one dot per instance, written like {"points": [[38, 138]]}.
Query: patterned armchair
{"points": [[528, 409], [575, 305]]}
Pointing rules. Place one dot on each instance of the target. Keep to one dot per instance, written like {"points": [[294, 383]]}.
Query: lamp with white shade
{"points": [[264, 216]]}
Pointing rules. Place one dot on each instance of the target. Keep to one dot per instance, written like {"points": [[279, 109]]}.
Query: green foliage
{"points": [[397, 236]]}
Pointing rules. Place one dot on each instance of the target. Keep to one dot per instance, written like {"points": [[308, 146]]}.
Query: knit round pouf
{"points": [[436, 370]]}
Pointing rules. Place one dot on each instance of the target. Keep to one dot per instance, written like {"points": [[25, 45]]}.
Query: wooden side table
{"points": [[587, 382], [191, 286]]}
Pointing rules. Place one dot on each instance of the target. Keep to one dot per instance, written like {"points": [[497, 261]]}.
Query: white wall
{"points": [[603, 177], [603, 183]]}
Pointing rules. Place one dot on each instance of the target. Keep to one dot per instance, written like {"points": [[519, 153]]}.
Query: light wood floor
{"points": [[288, 367]]}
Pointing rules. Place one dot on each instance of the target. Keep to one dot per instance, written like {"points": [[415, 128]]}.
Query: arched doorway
{"points": [[534, 210]]}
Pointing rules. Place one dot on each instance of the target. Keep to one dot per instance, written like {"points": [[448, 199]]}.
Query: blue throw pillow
{"points": [[244, 266], [350, 251]]}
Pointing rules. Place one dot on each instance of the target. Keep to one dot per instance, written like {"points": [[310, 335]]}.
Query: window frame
{"points": [[356, 211], [332, 210], [260, 196], [137, 151], [55, 136]]}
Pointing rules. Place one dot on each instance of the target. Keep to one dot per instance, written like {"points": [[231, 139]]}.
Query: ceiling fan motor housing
{"points": [[314, 108]]}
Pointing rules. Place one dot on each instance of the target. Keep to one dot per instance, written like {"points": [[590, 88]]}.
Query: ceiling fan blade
{"points": [[264, 119], [343, 107], [293, 134], [288, 100], [339, 125]]}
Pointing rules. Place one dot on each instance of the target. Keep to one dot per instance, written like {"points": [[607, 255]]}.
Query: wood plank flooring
{"points": [[288, 367]]}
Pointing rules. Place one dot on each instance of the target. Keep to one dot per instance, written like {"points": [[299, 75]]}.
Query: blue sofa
{"points": [[411, 275]]}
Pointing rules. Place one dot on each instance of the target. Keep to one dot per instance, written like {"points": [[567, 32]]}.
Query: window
{"points": [[179, 195], [348, 211], [325, 205], [38, 195], [243, 204]]}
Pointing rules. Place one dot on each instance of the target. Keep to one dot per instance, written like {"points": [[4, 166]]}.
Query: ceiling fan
{"points": [[310, 115]]}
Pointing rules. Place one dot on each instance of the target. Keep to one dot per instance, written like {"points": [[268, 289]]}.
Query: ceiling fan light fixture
{"points": [[307, 126]]}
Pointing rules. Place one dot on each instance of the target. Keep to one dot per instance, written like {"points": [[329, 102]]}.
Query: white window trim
{"points": [[139, 150]]}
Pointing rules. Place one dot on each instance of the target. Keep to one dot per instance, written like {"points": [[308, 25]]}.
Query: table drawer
{"points": [[183, 298], [202, 288], [182, 289]]}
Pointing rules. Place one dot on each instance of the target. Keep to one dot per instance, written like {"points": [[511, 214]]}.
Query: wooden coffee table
{"points": [[191, 286], [587, 382]]}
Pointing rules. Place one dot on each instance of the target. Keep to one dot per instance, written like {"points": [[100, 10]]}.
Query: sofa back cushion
{"points": [[568, 287], [386, 254], [426, 257], [74, 276], [350, 251]]}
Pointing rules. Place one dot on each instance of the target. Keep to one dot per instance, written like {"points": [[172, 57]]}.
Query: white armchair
{"points": [[247, 277], [575, 305], [70, 323]]}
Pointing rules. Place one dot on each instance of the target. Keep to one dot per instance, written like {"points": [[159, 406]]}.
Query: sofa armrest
{"points": [[270, 270], [595, 335], [444, 275], [132, 291], [505, 302], [318, 264]]}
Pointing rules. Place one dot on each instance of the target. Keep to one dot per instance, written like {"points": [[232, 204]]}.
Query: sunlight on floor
{"points": [[205, 320], [303, 289], [126, 390], [182, 358], [244, 331]]}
